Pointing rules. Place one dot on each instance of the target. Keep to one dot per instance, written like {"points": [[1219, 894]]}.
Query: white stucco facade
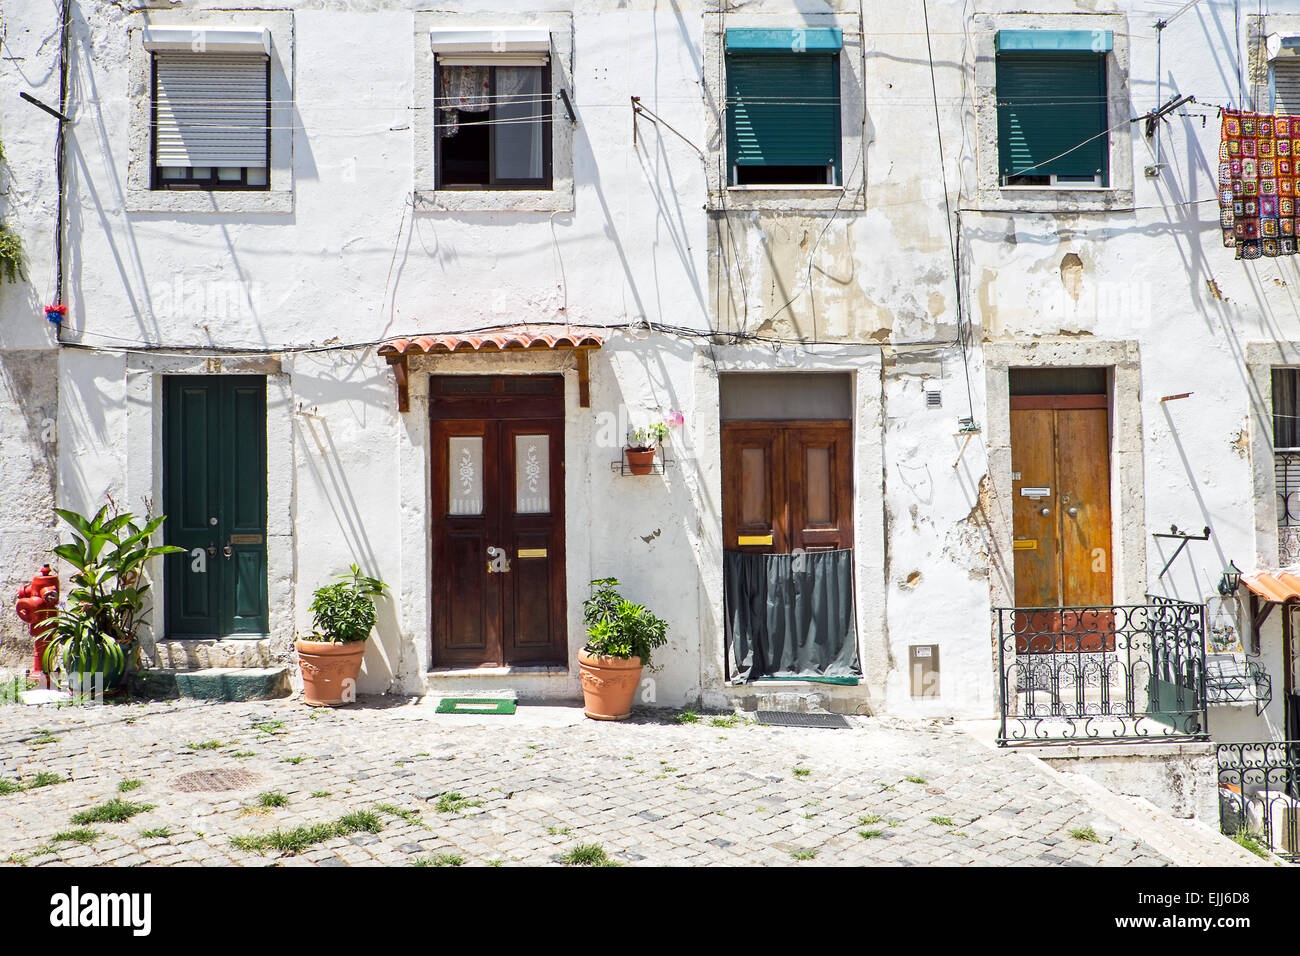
{"points": [[685, 279]]}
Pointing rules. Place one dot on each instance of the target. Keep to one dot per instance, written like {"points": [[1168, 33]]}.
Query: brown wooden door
{"points": [[498, 527], [1060, 463], [787, 486]]}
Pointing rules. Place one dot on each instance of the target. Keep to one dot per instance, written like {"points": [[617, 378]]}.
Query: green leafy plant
{"points": [[96, 628], [618, 628], [12, 259], [345, 612]]}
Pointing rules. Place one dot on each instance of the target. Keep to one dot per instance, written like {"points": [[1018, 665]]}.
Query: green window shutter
{"points": [[783, 109], [1049, 103]]}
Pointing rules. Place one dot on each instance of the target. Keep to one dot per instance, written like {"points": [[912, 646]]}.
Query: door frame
{"points": [[1127, 487], [145, 455]]}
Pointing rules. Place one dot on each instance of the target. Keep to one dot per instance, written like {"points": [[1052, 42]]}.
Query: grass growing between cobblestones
{"points": [[43, 779], [1085, 834], [916, 780], [870, 834], [158, 833], [454, 803], [116, 810], [804, 854], [207, 745], [801, 772], [943, 821], [270, 726], [410, 816], [587, 854], [442, 859], [294, 841], [80, 835], [687, 717], [272, 798], [126, 786]]}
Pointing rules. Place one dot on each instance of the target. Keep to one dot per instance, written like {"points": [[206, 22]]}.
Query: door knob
{"points": [[498, 561], [1072, 512], [1045, 512], [212, 551], [228, 550]]}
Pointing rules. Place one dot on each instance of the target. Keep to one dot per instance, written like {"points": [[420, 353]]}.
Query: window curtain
{"points": [[462, 89], [791, 615]]}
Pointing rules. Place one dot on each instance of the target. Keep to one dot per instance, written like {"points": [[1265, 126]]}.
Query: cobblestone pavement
{"points": [[530, 788]]}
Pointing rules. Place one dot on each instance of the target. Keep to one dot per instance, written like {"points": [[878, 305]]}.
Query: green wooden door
{"points": [[214, 496]]}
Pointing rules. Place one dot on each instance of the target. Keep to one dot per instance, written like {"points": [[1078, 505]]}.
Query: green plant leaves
{"points": [[345, 612], [616, 627]]}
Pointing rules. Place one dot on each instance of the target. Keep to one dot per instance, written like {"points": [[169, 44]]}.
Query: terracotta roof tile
{"points": [[1279, 587], [513, 338]]}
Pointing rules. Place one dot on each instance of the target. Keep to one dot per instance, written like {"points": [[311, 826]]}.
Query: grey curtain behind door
{"points": [[790, 615]]}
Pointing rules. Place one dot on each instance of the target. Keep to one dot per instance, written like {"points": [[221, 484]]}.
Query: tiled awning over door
{"points": [[519, 338]]}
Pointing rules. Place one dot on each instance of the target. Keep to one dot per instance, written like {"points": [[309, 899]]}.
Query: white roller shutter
{"points": [[1286, 85], [211, 109]]}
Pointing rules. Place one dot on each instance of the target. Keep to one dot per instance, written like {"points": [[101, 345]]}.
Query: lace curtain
{"points": [[467, 89]]}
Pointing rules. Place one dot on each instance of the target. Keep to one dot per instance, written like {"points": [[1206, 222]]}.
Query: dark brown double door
{"points": [[498, 520]]}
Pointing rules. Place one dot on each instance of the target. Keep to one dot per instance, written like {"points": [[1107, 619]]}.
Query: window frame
{"points": [[212, 183], [545, 183]]}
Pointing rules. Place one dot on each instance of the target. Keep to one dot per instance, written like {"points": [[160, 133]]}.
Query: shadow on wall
{"points": [[28, 527], [337, 395], [646, 529]]}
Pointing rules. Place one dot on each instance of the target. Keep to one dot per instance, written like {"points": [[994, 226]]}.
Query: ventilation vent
{"points": [[933, 399]]}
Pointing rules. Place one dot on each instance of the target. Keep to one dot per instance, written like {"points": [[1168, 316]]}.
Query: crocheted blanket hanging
{"points": [[1257, 183]]}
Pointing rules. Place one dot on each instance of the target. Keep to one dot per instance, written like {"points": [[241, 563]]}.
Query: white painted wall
{"points": [[352, 262]]}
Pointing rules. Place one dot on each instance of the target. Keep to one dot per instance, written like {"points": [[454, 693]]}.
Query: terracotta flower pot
{"points": [[329, 671], [608, 685], [640, 461]]}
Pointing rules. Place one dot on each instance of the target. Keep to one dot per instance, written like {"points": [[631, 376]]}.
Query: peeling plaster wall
{"points": [[1136, 270]]}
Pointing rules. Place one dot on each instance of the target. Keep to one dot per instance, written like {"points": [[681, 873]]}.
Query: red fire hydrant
{"points": [[36, 604]]}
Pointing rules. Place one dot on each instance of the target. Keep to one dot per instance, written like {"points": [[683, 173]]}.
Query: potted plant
{"points": [[642, 443], [620, 639], [93, 637], [344, 616]]}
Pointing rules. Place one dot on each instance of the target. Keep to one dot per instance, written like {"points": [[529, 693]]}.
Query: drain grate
{"points": [[215, 781], [782, 718]]}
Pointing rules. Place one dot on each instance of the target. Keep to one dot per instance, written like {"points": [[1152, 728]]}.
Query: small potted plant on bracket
{"points": [[642, 444], [620, 639], [344, 616]]}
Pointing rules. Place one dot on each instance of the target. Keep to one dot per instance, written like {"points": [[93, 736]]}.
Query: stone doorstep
{"points": [[1100, 751], [800, 697], [214, 683], [182, 654]]}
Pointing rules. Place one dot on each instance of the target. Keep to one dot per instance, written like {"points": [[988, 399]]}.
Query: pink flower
{"points": [[675, 420]]}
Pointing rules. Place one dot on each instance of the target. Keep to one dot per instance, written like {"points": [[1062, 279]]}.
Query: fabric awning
{"points": [[519, 338]]}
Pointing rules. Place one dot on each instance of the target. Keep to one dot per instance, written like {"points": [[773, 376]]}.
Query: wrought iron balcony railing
{"points": [[1259, 794], [1102, 674]]}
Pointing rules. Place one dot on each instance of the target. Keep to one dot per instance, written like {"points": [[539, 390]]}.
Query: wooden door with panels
{"points": [[498, 520], [787, 486], [1061, 516], [214, 496]]}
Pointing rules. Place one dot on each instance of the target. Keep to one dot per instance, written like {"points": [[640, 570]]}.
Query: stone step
{"points": [[214, 683], [196, 654]]}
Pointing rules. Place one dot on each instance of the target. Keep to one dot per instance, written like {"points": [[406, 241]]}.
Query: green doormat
{"points": [[475, 705]]}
